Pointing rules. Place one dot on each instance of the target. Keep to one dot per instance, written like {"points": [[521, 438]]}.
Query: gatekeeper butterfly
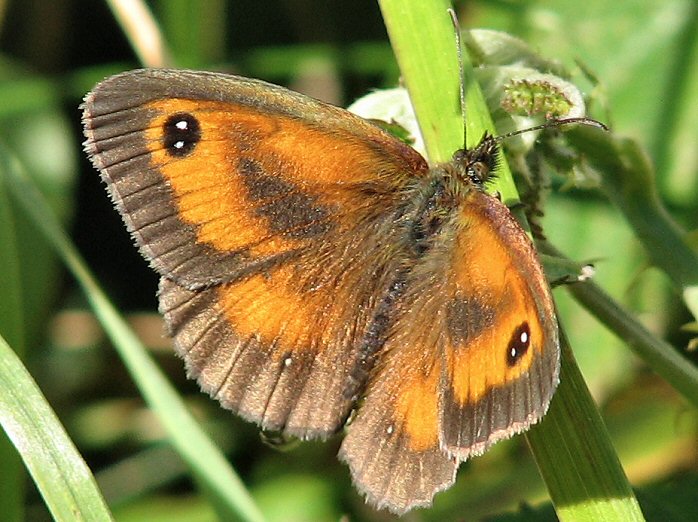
{"points": [[318, 275]]}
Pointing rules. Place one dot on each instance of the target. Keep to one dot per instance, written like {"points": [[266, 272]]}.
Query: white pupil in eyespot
{"points": [[524, 337], [182, 125]]}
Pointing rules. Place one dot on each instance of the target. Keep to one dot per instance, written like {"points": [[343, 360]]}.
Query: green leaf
{"points": [[60, 473], [424, 41], [576, 457]]}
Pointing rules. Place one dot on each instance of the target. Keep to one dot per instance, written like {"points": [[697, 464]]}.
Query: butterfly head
{"points": [[477, 165]]}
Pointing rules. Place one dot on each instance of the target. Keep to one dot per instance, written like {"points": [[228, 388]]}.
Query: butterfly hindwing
{"points": [[502, 353]]}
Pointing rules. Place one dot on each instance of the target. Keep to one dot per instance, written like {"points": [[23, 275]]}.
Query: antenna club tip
{"points": [[581, 120]]}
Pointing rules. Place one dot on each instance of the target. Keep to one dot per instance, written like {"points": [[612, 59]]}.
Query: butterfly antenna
{"points": [[459, 53], [553, 123]]}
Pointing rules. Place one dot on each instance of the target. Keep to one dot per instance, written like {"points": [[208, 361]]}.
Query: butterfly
{"points": [[318, 275]]}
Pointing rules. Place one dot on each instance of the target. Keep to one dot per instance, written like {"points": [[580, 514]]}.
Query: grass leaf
{"points": [[60, 473]]}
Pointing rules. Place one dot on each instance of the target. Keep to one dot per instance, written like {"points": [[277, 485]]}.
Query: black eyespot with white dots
{"points": [[519, 344], [182, 132]]}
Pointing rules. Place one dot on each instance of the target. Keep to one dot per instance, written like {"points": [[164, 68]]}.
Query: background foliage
{"points": [[637, 61]]}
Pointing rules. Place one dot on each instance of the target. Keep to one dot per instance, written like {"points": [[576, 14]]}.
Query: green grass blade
{"points": [[422, 36], [436, 103], [196, 35], [423, 39], [190, 441], [60, 473], [575, 455]]}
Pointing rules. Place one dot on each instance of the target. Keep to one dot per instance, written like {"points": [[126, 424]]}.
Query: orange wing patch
{"points": [[491, 302], [221, 188], [502, 355], [416, 407], [392, 445], [255, 176], [253, 305]]}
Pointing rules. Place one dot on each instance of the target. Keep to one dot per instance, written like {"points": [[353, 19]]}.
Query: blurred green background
{"points": [[643, 55]]}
